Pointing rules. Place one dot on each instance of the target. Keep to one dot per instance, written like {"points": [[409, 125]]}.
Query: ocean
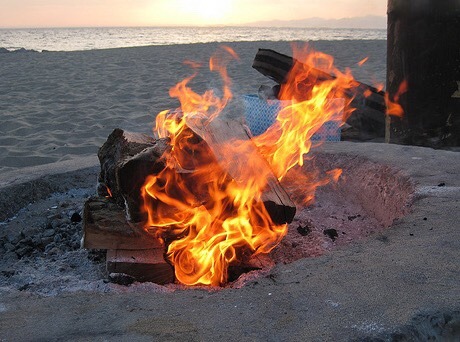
{"points": [[75, 39]]}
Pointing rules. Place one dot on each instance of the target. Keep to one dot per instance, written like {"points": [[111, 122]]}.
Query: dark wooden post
{"points": [[423, 48]]}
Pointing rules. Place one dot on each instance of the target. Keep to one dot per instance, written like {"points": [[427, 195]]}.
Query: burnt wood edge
{"points": [[277, 66]]}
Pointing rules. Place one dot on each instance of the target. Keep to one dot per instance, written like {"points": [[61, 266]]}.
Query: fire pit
{"points": [[364, 202], [366, 199], [203, 201], [387, 279]]}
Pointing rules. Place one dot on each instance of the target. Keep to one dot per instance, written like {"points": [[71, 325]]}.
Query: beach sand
{"points": [[57, 106], [401, 283], [398, 284]]}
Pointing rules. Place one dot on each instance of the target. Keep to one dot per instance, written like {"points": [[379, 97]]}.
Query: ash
{"points": [[40, 246], [40, 251]]}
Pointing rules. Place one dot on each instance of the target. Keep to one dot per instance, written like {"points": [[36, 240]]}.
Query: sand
{"points": [[397, 284], [58, 106], [400, 283]]}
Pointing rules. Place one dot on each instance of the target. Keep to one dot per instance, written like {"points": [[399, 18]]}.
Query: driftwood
{"points": [[216, 134], [142, 265], [105, 227]]}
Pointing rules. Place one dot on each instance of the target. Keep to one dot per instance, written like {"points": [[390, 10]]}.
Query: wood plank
{"points": [[105, 227], [217, 134], [131, 174], [143, 265]]}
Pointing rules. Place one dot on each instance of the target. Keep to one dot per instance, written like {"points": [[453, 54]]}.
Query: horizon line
{"points": [[249, 25]]}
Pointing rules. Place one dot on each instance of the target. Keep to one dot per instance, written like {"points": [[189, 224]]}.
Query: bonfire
{"points": [[207, 193]]}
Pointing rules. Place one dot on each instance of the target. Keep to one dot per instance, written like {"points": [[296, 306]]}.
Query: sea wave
{"points": [[18, 50], [74, 39]]}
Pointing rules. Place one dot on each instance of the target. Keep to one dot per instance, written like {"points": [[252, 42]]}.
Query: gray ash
{"points": [[40, 246]]}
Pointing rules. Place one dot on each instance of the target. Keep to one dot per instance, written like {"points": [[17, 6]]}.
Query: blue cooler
{"points": [[261, 114]]}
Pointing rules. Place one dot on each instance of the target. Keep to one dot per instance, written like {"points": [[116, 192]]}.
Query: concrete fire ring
{"points": [[403, 284]]}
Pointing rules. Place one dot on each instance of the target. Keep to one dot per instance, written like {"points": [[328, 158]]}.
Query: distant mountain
{"points": [[367, 22]]}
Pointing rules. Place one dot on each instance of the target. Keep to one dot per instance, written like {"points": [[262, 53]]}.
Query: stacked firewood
{"points": [[115, 220]]}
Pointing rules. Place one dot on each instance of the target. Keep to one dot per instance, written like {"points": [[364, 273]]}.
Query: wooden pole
{"points": [[423, 49]]}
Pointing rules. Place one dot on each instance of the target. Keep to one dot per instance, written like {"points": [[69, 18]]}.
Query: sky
{"points": [[93, 13]]}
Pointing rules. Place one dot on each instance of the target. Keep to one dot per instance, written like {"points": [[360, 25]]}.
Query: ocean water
{"points": [[74, 39]]}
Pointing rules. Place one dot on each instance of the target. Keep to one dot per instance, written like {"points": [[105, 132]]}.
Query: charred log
{"points": [[126, 160], [369, 116], [277, 66]]}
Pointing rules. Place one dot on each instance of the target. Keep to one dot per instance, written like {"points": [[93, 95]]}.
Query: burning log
{"points": [[216, 197], [277, 67], [126, 160], [105, 227], [217, 134], [370, 102], [142, 265]]}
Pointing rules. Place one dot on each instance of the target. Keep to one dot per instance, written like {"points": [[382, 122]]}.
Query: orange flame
{"points": [[210, 219], [364, 60], [393, 106], [109, 192], [379, 86], [313, 102], [367, 93]]}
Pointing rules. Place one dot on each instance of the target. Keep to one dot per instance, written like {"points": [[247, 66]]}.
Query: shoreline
{"points": [[21, 50], [58, 106], [77, 39]]}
